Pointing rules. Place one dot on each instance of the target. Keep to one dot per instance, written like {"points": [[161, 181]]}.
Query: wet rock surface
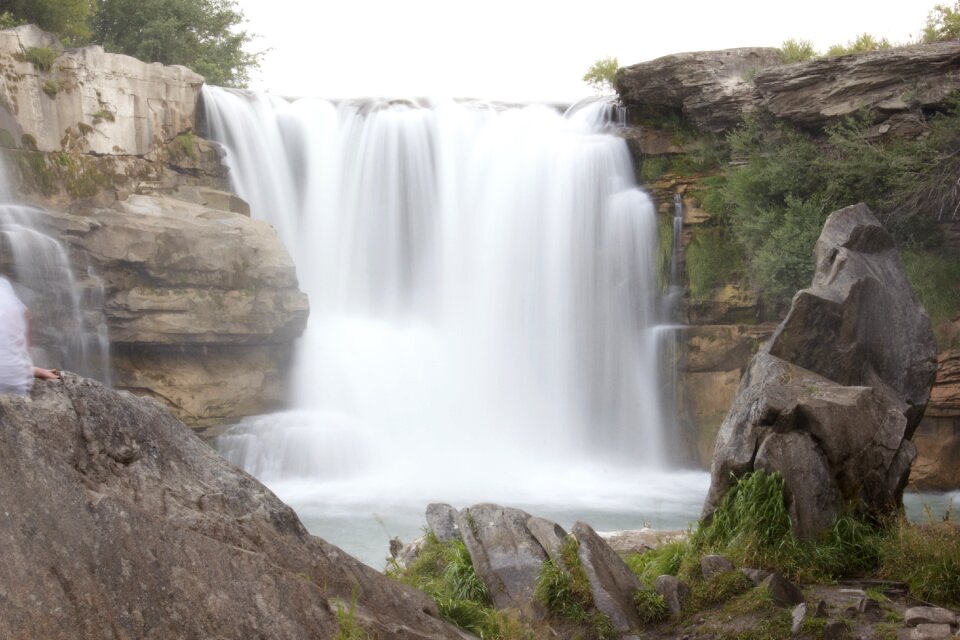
{"points": [[118, 522]]}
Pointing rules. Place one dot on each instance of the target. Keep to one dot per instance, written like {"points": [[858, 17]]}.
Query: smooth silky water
{"points": [[485, 324]]}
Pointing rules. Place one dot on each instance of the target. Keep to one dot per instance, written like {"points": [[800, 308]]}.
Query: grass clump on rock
{"points": [[444, 571], [41, 57], [564, 590]]}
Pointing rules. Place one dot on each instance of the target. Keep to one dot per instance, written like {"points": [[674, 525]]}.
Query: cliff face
{"points": [[201, 301], [715, 89], [120, 523], [711, 92]]}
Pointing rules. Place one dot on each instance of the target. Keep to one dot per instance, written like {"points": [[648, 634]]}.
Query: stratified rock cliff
{"points": [[117, 522], [715, 89], [201, 301]]}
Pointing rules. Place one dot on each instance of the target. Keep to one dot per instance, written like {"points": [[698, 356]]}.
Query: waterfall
{"points": [[69, 330], [481, 288]]}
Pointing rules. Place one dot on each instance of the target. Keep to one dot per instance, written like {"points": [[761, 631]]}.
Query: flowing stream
{"points": [[483, 306]]}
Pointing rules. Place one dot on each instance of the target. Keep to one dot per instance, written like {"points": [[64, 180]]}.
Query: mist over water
{"points": [[483, 306]]}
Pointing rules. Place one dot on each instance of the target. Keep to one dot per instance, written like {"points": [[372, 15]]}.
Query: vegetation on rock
{"points": [[601, 74], [205, 35], [41, 57], [943, 23]]}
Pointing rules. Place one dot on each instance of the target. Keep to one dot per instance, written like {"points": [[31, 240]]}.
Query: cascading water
{"points": [[482, 299], [68, 327]]}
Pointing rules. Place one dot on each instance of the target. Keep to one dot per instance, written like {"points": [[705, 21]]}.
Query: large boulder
{"points": [[118, 522], [831, 401], [612, 583]]}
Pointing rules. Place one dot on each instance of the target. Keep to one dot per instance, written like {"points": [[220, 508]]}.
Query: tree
{"points": [[200, 34], [601, 75], [65, 18], [943, 23]]}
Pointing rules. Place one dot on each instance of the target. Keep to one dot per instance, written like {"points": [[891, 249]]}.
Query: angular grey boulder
{"points": [[442, 520], [831, 401], [506, 556], [612, 584], [674, 591]]}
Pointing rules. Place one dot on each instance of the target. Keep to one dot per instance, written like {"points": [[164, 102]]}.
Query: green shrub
{"points": [[28, 142], [862, 44], [601, 74], [51, 87], [797, 51], [712, 259], [943, 23], [721, 587], [41, 57], [102, 115], [936, 279]]}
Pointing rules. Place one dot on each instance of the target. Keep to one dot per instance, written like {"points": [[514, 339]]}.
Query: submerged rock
{"points": [[118, 522], [831, 401]]}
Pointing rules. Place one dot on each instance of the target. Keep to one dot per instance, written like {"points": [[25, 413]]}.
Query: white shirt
{"points": [[16, 368]]}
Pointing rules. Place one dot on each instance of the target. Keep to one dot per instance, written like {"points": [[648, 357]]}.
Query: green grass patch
{"points": [[347, 626], [51, 87], [651, 606], [665, 560], [721, 587], [927, 558], [41, 57], [564, 590]]}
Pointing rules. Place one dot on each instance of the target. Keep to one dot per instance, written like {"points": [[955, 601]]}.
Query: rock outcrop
{"points": [[202, 304], [118, 522], [711, 88], [91, 101], [938, 436], [715, 89], [831, 401]]}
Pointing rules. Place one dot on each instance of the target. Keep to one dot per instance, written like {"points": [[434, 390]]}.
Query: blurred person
{"points": [[16, 368]]}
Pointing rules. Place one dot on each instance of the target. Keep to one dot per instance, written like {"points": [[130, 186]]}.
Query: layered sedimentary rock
{"points": [[201, 301], [91, 101], [714, 89], [831, 401], [120, 523], [202, 304], [938, 436]]}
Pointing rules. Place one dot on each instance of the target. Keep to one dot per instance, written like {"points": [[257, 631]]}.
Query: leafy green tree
{"points": [[201, 34], [65, 18], [797, 51], [601, 74], [943, 23]]}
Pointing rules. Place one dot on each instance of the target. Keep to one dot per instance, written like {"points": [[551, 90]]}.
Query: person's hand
{"points": [[46, 374]]}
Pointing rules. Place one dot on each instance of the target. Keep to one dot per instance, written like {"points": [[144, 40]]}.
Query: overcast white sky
{"points": [[528, 49]]}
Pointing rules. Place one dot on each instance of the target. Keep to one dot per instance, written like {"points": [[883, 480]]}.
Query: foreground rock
{"points": [[831, 401], [119, 523]]}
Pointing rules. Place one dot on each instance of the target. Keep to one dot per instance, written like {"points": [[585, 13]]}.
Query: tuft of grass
{"points": [[793, 50], [665, 560], [102, 115], [721, 587], [564, 590], [347, 626], [51, 87], [41, 57], [926, 557], [651, 606], [652, 168]]}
